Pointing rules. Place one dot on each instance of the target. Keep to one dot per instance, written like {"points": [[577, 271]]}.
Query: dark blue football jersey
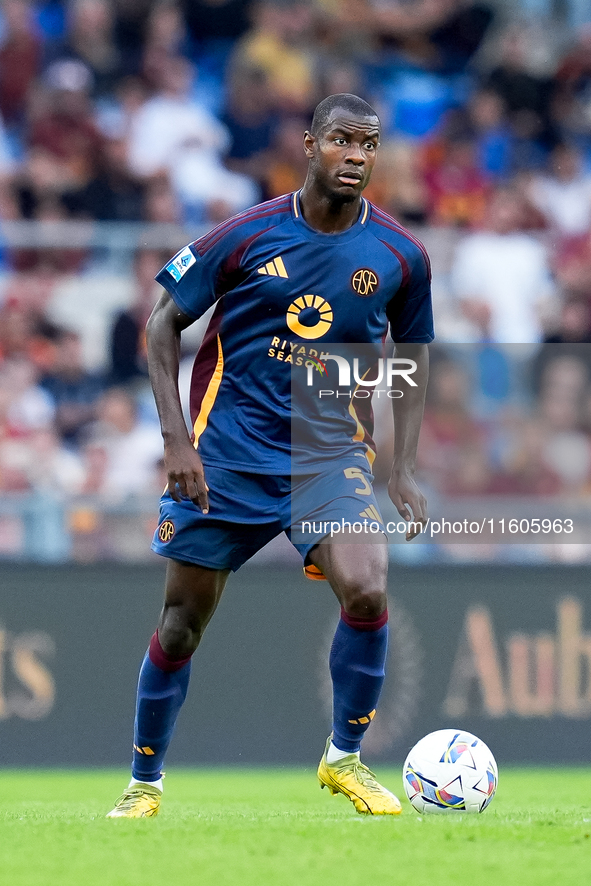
{"points": [[284, 293]]}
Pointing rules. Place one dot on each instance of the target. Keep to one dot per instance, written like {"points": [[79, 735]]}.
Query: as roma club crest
{"points": [[166, 531], [364, 282]]}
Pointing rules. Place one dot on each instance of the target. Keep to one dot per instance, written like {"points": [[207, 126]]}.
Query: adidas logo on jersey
{"points": [[371, 513], [274, 268]]}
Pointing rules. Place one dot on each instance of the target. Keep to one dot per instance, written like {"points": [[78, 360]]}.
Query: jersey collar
{"points": [[318, 236]]}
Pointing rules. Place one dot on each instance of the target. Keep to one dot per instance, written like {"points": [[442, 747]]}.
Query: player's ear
{"points": [[309, 142]]}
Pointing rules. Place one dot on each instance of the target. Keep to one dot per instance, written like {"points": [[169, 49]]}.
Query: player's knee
{"points": [[362, 585], [176, 642], [360, 601], [181, 629]]}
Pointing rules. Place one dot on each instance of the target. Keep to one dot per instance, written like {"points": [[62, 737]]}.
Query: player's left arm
{"points": [[411, 323], [410, 502]]}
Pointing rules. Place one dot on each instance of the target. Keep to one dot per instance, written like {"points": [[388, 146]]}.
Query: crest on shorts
{"points": [[166, 531], [364, 282]]}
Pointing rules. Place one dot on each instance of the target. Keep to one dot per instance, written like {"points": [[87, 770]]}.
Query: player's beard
{"points": [[326, 187]]}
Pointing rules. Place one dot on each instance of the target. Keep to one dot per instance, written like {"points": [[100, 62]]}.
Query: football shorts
{"points": [[248, 510]]}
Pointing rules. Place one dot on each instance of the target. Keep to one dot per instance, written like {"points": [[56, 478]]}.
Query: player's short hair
{"points": [[344, 101]]}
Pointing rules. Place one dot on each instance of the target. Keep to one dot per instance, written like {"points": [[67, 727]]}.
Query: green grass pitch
{"points": [[246, 827]]}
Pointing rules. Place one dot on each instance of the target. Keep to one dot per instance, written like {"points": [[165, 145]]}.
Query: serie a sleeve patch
{"points": [[181, 263]]}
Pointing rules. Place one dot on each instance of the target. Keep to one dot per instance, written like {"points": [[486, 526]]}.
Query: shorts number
{"points": [[357, 474]]}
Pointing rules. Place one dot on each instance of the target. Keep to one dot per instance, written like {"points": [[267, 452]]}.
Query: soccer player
{"points": [[288, 278]]}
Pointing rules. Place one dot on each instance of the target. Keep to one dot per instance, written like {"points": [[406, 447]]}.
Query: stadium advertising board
{"points": [[504, 652]]}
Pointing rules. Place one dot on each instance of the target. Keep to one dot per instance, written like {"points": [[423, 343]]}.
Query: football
{"points": [[450, 771]]}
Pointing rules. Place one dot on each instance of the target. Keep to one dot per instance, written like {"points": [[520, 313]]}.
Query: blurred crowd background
{"points": [[130, 127]]}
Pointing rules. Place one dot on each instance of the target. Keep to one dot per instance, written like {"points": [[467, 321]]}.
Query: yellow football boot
{"points": [[350, 777], [138, 801]]}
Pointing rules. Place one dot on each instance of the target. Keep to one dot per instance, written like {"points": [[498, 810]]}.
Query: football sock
{"points": [[161, 691], [333, 755], [159, 783], [357, 667]]}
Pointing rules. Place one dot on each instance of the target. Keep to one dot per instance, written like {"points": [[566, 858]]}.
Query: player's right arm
{"points": [[183, 465]]}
